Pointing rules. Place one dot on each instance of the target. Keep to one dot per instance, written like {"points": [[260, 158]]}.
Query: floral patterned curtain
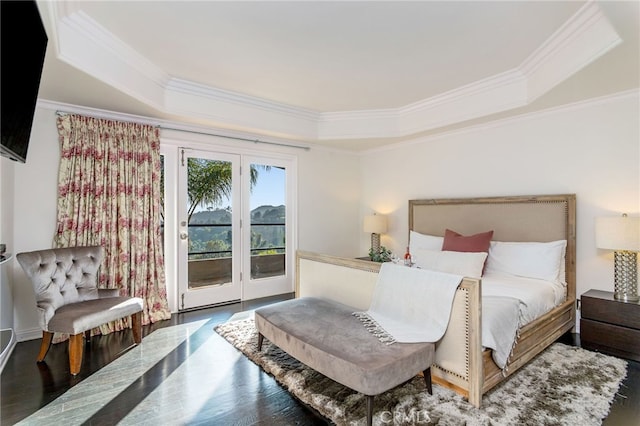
{"points": [[109, 195]]}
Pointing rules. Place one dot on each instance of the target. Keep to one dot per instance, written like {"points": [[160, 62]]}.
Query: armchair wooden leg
{"points": [[136, 327], [47, 337], [75, 353]]}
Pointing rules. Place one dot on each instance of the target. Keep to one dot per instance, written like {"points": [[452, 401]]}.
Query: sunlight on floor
{"points": [[190, 388], [84, 400]]}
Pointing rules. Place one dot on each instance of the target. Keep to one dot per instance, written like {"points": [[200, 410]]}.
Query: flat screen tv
{"points": [[23, 45]]}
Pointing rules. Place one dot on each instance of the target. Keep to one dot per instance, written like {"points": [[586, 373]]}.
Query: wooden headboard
{"points": [[539, 218]]}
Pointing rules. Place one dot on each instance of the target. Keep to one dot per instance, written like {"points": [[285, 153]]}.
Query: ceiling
{"points": [[348, 74]]}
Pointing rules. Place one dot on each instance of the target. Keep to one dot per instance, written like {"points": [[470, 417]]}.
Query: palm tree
{"points": [[209, 182]]}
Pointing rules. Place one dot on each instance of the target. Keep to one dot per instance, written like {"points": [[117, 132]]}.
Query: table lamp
{"points": [[621, 234], [377, 225]]}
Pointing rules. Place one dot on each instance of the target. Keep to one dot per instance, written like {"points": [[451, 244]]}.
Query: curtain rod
{"points": [[306, 148]]}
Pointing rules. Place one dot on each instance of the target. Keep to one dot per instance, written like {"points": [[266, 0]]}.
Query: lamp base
{"points": [[375, 242], [625, 277], [626, 298]]}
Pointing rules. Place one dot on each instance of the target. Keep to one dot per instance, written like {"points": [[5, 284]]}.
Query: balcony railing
{"points": [[213, 267], [206, 272]]}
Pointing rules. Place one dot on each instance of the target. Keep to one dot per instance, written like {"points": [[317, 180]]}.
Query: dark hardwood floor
{"points": [[27, 386]]}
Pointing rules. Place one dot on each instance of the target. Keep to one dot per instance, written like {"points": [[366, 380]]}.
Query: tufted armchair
{"points": [[65, 284]]}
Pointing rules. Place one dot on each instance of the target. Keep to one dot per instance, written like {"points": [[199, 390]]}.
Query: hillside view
{"points": [[207, 239]]}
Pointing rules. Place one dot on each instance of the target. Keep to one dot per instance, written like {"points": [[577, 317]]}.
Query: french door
{"points": [[208, 222], [268, 233], [235, 228]]}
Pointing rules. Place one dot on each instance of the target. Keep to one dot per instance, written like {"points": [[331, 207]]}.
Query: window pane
{"points": [[268, 227], [210, 225]]}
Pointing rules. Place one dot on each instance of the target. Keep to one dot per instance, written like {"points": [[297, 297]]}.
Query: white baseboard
{"points": [[29, 334]]}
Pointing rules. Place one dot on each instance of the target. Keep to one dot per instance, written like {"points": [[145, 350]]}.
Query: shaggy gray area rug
{"points": [[564, 385]]}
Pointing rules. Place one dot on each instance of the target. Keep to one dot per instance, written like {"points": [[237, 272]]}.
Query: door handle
{"points": [[184, 235]]}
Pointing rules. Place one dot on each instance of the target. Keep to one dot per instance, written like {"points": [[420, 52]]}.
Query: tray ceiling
{"points": [[353, 75]]}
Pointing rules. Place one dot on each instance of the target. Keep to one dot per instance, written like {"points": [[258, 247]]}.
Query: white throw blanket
{"points": [[410, 305], [500, 326]]}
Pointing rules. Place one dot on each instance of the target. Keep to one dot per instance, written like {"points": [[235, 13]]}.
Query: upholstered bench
{"points": [[325, 336]]}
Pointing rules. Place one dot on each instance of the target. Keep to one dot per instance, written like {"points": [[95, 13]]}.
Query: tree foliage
{"points": [[209, 182], [209, 185]]}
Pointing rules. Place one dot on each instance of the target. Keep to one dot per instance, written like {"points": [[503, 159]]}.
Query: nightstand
{"points": [[610, 325]]}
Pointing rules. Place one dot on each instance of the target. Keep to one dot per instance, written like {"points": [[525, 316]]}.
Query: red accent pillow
{"points": [[471, 243]]}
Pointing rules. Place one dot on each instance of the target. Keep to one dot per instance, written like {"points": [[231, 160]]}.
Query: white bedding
{"points": [[510, 302], [419, 309], [410, 304]]}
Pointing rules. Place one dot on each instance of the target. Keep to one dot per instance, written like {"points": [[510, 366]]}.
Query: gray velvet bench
{"points": [[325, 336]]}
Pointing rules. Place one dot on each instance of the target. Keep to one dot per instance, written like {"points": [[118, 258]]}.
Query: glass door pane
{"points": [[209, 236], [269, 254], [268, 221]]}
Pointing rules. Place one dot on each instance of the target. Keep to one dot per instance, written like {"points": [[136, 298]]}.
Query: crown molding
{"points": [[586, 36], [187, 87], [230, 108], [111, 115], [633, 94], [170, 126], [84, 44]]}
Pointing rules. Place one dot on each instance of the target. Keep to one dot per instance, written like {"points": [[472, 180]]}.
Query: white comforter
{"points": [[509, 303]]}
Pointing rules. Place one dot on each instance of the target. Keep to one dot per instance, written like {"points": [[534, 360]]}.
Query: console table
{"points": [[610, 325]]}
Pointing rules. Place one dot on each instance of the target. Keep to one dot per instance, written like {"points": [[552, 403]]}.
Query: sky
{"points": [[268, 191], [270, 188]]}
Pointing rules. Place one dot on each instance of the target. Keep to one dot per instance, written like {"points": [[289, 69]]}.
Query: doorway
{"points": [[235, 226]]}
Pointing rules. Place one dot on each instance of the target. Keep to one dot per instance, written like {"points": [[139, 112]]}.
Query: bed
{"points": [[463, 362]]}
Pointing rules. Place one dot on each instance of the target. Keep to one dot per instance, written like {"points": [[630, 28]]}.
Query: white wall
{"points": [[34, 211], [591, 149], [328, 203]]}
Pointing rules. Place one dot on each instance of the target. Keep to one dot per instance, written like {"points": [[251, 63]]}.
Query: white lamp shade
{"points": [[618, 233], [375, 224]]}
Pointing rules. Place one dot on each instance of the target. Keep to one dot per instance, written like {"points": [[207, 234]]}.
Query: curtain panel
{"points": [[109, 195]]}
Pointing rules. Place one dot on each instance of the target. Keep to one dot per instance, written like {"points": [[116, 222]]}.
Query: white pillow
{"points": [[418, 241], [467, 264], [542, 261]]}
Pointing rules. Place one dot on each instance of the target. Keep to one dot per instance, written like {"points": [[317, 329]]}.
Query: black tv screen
{"points": [[23, 47]]}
